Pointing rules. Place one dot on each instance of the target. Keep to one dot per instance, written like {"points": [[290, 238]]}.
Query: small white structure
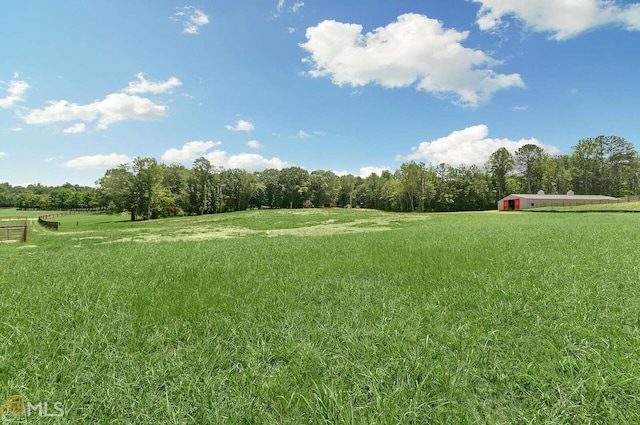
{"points": [[517, 202]]}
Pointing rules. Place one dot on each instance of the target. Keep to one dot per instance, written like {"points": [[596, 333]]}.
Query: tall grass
{"points": [[370, 318]]}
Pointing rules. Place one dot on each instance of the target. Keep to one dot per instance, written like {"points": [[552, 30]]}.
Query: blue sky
{"points": [[348, 86]]}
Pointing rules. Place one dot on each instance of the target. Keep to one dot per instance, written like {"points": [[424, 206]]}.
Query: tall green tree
{"points": [[6, 198], [116, 190], [294, 182], [175, 180], [323, 187], [270, 189], [529, 161], [372, 191], [621, 166], [501, 163], [557, 174], [347, 190], [146, 187], [392, 194], [202, 190], [239, 187], [416, 185], [606, 165], [588, 161]]}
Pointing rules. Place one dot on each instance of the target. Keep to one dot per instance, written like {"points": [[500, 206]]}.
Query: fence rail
{"points": [[44, 219], [14, 231], [13, 218]]}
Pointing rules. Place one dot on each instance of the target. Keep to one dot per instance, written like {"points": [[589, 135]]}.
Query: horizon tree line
{"points": [[147, 189]]}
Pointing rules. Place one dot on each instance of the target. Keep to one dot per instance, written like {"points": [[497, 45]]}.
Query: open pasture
{"points": [[14, 212], [327, 316]]}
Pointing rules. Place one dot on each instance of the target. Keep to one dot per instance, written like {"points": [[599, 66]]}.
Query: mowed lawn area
{"points": [[326, 317]]}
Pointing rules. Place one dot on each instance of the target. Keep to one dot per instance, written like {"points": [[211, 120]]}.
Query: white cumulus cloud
{"points": [[191, 18], [119, 107], [15, 93], [241, 125], [2, 154], [145, 86], [97, 161], [113, 108], [468, 146], [76, 128], [340, 173], [246, 161], [367, 171], [189, 151], [562, 19], [413, 50], [254, 144]]}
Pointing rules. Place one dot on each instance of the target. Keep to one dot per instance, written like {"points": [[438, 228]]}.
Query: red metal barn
{"points": [[519, 201]]}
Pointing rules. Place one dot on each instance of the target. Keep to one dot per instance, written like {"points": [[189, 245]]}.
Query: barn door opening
{"points": [[512, 204]]}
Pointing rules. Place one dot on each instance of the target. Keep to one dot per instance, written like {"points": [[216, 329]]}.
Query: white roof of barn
{"points": [[559, 197]]}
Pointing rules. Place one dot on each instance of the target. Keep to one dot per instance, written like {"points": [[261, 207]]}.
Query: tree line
{"points": [[146, 189], [38, 196]]}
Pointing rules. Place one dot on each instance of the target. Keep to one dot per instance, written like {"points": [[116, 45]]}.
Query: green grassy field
{"points": [[325, 317], [13, 212]]}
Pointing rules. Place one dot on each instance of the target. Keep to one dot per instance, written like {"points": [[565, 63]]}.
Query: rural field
{"points": [[326, 317]]}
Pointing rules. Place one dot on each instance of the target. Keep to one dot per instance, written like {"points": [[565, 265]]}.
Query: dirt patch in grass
{"points": [[324, 230], [189, 235], [331, 228], [213, 233], [213, 230]]}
